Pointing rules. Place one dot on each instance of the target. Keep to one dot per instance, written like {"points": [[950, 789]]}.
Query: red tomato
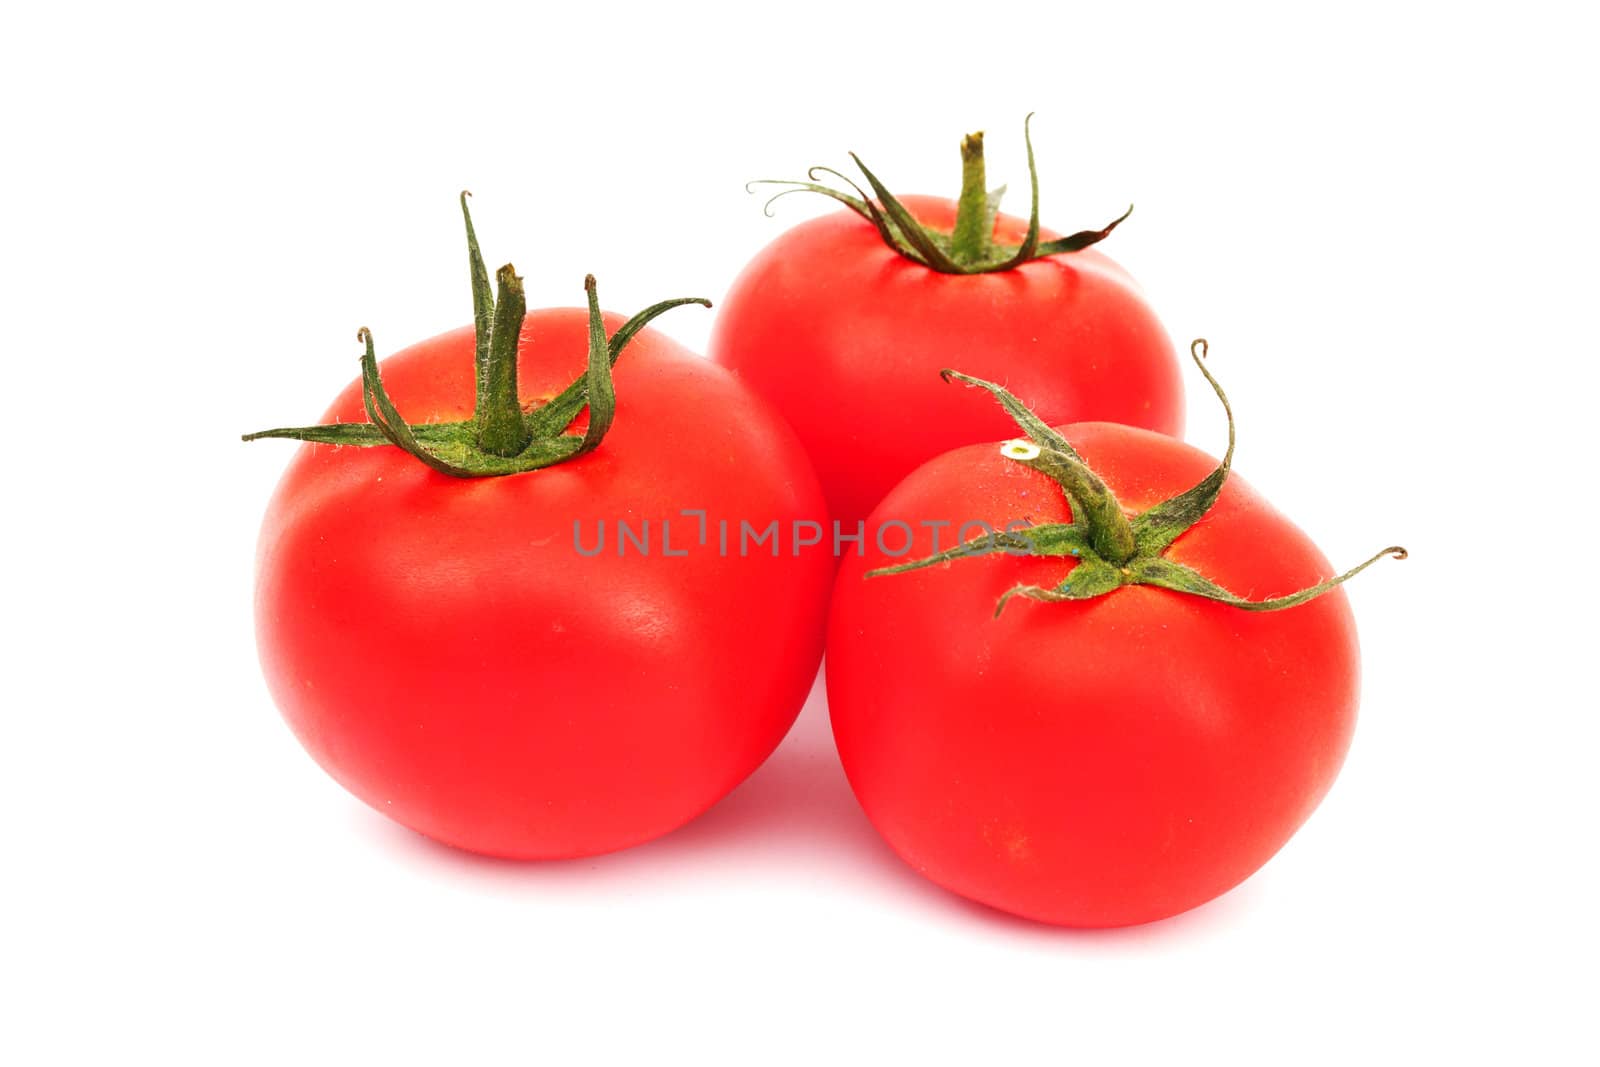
{"points": [[1093, 762], [441, 647], [847, 337]]}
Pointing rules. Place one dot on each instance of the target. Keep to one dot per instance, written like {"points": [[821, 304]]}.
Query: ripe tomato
{"points": [[443, 648], [846, 335], [1088, 762]]}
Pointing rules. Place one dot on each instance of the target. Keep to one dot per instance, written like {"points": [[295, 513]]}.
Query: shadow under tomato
{"points": [[1217, 914], [795, 817], [796, 810]]}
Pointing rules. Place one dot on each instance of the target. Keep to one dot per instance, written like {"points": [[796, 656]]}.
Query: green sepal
{"points": [[357, 434], [1092, 577], [383, 414], [1057, 539], [1029, 248], [602, 391], [557, 413], [910, 229], [1165, 574], [1029, 423], [1077, 242], [1158, 527], [482, 301], [1015, 542]]}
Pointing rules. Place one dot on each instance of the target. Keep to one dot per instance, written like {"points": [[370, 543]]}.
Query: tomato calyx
{"points": [[1111, 549], [969, 248], [501, 437]]}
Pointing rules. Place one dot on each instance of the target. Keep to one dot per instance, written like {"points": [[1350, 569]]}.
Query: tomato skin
{"points": [[442, 649], [847, 338], [1095, 763]]}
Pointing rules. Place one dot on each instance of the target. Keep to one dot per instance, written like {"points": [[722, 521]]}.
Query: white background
{"points": [[1383, 218]]}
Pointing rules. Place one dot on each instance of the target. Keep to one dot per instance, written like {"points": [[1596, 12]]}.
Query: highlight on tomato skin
{"points": [[439, 634], [1114, 710], [843, 326]]}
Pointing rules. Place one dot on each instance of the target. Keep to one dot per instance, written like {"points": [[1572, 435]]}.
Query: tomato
{"points": [[456, 654], [846, 335], [1087, 762]]}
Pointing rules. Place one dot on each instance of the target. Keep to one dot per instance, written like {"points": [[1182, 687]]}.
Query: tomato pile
{"points": [[550, 585]]}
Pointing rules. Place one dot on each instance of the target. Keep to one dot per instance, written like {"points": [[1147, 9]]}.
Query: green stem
{"points": [[969, 241], [498, 414], [1093, 503]]}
